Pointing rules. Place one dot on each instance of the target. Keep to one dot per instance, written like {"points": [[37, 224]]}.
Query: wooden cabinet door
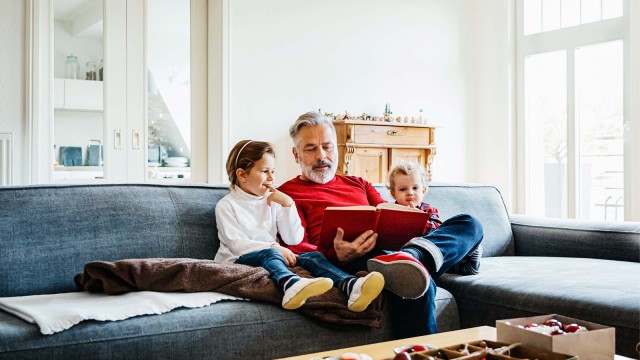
{"points": [[417, 155], [372, 164], [421, 156]]}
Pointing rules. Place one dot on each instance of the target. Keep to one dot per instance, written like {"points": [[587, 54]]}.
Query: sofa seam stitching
{"points": [[175, 212]]}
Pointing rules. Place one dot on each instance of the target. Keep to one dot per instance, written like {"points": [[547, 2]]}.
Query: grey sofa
{"points": [[47, 233]]}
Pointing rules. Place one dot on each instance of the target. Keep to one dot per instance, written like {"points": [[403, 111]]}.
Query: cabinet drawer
{"points": [[390, 135]]}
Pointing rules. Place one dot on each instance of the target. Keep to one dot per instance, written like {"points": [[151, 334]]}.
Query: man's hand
{"points": [[347, 251], [279, 198], [289, 257]]}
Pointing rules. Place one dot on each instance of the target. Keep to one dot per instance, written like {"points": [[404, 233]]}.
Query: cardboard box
{"points": [[481, 349], [595, 344]]}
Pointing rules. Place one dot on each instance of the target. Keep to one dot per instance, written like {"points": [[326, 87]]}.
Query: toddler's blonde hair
{"points": [[405, 167]]}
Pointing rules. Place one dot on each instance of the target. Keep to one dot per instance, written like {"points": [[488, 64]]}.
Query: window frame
{"points": [[623, 28]]}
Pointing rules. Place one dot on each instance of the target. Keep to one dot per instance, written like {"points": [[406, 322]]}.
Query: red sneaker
{"points": [[403, 274]]}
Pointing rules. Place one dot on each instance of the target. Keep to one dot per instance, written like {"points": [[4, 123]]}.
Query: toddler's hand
{"points": [[279, 198]]}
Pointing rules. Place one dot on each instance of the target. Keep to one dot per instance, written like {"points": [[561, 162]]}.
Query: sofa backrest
{"points": [[48, 233], [484, 202]]}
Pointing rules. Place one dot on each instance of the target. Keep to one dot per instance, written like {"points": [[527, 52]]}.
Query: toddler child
{"points": [[254, 215], [408, 185]]}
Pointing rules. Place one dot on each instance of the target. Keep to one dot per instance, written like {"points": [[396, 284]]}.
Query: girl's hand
{"points": [[289, 257], [279, 197]]}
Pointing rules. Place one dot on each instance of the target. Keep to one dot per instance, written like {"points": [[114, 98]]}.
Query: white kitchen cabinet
{"points": [[78, 94]]}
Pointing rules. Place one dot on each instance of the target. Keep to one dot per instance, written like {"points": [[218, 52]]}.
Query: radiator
{"points": [[6, 156]]}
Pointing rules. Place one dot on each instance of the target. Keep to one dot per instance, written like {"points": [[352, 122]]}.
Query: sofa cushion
{"points": [[535, 236], [602, 291], [219, 330], [48, 233]]}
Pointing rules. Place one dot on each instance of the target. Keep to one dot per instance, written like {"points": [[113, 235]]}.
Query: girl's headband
{"points": [[239, 151]]}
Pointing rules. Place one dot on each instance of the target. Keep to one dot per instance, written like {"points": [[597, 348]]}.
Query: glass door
{"points": [[78, 72], [176, 60]]}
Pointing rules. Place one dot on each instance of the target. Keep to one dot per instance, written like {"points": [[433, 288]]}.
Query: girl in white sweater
{"points": [[254, 213]]}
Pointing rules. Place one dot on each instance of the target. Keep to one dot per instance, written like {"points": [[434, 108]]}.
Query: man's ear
{"points": [[294, 150]]}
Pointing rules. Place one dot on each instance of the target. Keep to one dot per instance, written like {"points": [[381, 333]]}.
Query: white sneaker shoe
{"points": [[365, 290], [298, 293]]}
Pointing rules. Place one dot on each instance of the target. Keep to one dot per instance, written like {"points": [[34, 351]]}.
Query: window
{"points": [[548, 15], [572, 92]]}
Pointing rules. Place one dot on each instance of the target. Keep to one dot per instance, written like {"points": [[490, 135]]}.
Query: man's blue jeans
{"points": [[316, 263], [414, 317]]}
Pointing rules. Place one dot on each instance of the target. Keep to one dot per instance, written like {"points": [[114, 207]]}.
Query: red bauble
{"points": [[571, 328], [554, 322]]}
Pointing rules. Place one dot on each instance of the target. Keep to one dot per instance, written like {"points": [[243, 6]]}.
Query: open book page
{"points": [[355, 207], [398, 207]]}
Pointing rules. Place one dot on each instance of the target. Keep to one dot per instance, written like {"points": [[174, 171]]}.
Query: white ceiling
{"points": [[82, 17]]}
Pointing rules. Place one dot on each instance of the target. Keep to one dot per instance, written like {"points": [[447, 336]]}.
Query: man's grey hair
{"points": [[311, 118]]}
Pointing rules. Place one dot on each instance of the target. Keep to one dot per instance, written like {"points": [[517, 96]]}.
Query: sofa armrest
{"points": [[537, 236]]}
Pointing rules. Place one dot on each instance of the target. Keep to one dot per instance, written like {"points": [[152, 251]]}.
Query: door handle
{"points": [[135, 140], [117, 139]]}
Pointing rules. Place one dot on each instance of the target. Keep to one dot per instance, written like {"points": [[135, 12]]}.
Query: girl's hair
{"points": [[244, 155], [407, 168]]}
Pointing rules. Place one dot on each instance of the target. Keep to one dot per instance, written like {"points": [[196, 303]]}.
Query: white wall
{"points": [[490, 156], [12, 81], [290, 56], [450, 58]]}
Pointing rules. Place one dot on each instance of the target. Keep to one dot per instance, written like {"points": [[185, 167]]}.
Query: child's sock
{"points": [[470, 264], [286, 283], [346, 285]]}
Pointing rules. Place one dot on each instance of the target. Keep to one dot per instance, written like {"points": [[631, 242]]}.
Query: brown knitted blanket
{"points": [[192, 275]]}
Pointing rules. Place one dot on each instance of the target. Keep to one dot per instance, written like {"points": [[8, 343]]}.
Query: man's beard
{"points": [[320, 178]]}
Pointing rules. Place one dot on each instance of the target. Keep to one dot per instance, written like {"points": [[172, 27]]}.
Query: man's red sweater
{"points": [[312, 198]]}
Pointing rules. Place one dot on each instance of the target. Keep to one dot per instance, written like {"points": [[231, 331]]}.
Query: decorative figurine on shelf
{"points": [[421, 118], [388, 112], [387, 117]]}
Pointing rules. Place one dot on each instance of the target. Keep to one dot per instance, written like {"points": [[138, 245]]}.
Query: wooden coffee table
{"points": [[384, 350]]}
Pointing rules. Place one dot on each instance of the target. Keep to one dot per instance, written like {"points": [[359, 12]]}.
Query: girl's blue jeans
{"points": [[314, 262]]}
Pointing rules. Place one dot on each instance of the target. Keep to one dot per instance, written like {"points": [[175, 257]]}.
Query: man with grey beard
{"points": [[407, 272]]}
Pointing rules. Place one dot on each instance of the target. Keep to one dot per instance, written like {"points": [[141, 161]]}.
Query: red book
{"points": [[395, 224]]}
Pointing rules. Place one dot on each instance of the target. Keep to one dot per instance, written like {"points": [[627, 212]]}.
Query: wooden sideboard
{"points": [[368, 149]]}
